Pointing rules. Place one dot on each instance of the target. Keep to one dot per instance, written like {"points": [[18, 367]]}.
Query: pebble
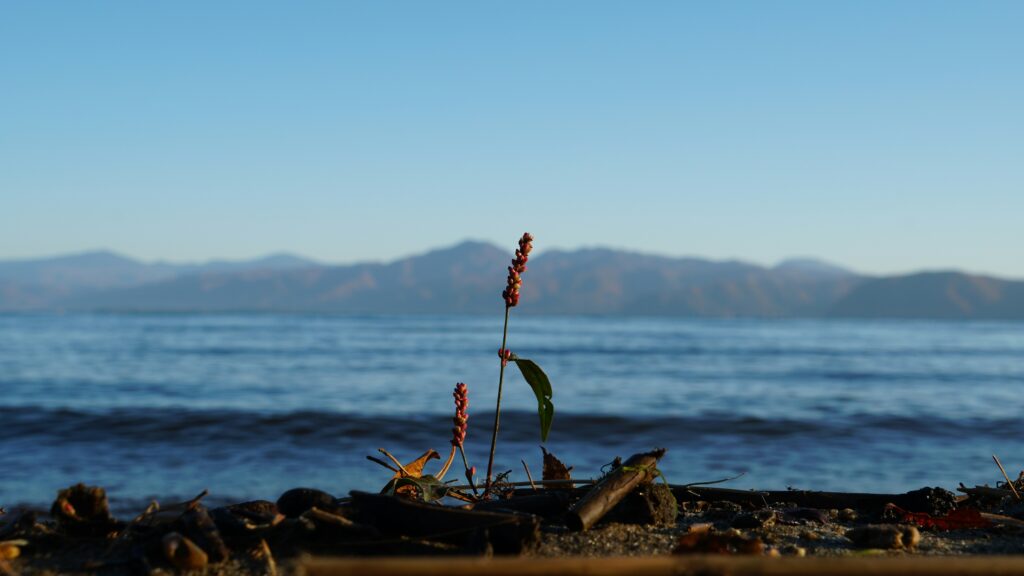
{"points": [[886, 536], [183, 553], [792, 550], [809, 536], [847, 515], [813, 515], [296, 501], [754, 520]]}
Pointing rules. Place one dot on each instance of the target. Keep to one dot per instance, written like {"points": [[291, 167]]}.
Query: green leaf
{"points": [[538, 380], [429, 487]]}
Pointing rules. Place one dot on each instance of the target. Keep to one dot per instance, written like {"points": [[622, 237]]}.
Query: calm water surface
{"points": [[250, 405]]}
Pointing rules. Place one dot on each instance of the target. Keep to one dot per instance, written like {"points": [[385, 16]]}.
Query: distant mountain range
{"points": [[468, 278]]}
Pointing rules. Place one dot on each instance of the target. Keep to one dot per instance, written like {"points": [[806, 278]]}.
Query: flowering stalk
{"points": [[511, 297], [460, 424]]}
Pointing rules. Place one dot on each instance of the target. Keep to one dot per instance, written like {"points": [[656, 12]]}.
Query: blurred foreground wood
{"points": [[665, 565]]}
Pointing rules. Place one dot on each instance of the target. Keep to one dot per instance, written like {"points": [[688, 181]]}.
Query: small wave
{"points": [[127, 426]]}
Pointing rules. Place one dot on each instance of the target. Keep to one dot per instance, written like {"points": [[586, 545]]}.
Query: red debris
{"points": [[960, 519]]}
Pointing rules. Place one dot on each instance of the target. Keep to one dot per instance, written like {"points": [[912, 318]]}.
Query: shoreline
{"points": [[255, 536]]}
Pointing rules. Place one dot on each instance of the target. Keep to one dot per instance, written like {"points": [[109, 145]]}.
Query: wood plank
{"points": [[668, 566]]}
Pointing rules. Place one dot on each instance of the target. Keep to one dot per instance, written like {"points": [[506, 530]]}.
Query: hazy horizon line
{"points": [[583, 247]]}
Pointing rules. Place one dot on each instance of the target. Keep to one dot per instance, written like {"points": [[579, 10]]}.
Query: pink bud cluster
{"points": [[461, 419], [505, 356], [511, 293]]}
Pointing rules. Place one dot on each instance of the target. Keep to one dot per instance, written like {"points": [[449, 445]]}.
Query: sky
{"points": [[884, 136]]}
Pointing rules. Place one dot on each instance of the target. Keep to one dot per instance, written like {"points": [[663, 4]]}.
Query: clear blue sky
{"points": [[886, 136]]}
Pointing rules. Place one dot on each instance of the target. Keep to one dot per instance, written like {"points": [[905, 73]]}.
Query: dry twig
{"points": [[528, 475], [1008, 483]]}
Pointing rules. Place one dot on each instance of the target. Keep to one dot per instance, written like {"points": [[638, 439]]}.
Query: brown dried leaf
{"points": [[554, 469], [415, 468]]}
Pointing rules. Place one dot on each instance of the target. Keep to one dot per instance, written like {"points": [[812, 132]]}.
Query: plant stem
{"points": [[497, 407], [466, 463]]}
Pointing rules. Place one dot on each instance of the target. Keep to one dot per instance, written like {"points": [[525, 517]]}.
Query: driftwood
{"points": [[603, 496], [1003, 519], [931, 500], [338, 525], [650, 504], [548, 504], [479, 531], [669, 566], [985, 492]]}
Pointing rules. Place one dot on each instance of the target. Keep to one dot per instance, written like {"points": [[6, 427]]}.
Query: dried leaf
{"points": [[409, 482], [960, 519], [554, 469], [415, 468]]}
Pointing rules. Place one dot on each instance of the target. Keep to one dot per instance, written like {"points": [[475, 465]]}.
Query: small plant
{"points": [[409, 480], [534, 376]]}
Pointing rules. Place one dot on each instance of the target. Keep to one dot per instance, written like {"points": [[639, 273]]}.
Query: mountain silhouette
{"points": [[468, 278]]}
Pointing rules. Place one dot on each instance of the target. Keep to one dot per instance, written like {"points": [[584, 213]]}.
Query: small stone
{"points": [[911, 536], [248, 519], [183, 553], [723, 511], [727, 506], [792, 550], [810, 536], [11, 549], [694, 507], [799, 515], [297, 501], [847, 515], [886, 536], [755, 520]]}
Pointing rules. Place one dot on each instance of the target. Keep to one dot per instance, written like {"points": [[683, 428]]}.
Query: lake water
{"points": [[250, 405]]}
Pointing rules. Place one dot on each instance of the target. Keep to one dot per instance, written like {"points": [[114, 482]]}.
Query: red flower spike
{"points": [[511, 293], [461, 418]]}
